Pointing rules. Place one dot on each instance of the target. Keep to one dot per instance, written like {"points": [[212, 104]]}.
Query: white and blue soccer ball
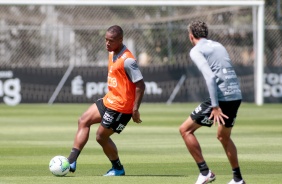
{"points": [[59, 165]]}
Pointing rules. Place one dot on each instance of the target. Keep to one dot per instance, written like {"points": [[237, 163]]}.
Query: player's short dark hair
{"points": [[199, 29], [115, 29]]}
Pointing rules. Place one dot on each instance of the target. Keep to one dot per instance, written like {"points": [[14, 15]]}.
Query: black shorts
{"points": [[112, 119], [202, 113]]}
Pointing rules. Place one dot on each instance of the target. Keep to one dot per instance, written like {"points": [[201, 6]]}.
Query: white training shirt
{"points": [[214, 63]]}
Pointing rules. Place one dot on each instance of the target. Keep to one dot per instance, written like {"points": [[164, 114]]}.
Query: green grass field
{"points": [[152, 152]]}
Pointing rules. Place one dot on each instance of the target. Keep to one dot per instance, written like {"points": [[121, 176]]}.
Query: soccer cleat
{"points": [[206, 179], [115, 172], [73, 166], [237, 182]]}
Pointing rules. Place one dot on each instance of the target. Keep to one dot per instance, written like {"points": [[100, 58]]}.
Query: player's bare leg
{"points": [[187, 130], [223, 135], [89, 117], [103, 138]]}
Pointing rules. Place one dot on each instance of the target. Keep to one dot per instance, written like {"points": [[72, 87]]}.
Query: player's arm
{"points": [[140, 88], [209, 76], [210, 79], [134, 74]]}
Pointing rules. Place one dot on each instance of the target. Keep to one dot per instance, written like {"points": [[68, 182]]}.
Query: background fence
{"points": [[44, 37], [48, 36]]}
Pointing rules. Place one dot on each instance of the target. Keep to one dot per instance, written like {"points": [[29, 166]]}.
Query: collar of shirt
{"points": [[115, 57]]}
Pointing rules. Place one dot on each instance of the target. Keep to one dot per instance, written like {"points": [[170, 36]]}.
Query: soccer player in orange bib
{"points": [[121, 103]]}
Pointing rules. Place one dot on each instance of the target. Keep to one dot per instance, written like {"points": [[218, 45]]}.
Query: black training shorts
{"points": [[112, 119], [202, 113]]}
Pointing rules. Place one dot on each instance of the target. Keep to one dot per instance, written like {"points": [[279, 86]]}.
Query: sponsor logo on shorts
{"points": [[207, 121], [198, 109], [108, 117], [120, 127]]}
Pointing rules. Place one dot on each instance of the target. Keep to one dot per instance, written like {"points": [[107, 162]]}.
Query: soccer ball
{"points": [[59, 165]]}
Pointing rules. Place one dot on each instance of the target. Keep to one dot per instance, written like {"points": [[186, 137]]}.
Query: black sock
{"points": [[203, 167], [237, 174], [73, 155], [116, 164]]}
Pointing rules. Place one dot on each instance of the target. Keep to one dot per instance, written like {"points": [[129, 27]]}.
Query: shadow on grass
{"points": [[154, 175]]}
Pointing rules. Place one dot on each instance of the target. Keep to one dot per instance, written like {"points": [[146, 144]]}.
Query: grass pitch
{"points": [[152, 152]]}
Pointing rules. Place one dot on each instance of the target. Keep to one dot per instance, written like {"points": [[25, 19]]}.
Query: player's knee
{"points": [[182, 130], [80, 122], [100, 139], [220, 138], [223, 139]]}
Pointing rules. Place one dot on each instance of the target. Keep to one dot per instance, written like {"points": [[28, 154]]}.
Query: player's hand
{"points": [[136, 116], [217, 116]]}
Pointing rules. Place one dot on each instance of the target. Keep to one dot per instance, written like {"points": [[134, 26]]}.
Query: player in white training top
{"points": [[220, 107]]}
